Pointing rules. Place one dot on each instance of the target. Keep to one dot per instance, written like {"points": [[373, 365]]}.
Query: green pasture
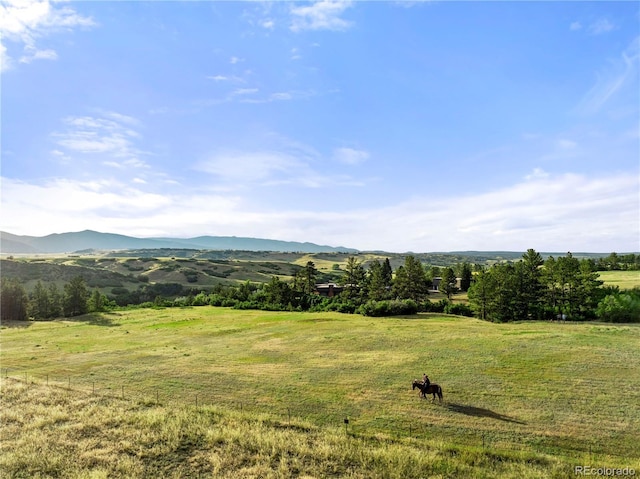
{"points": [[622, 279], [566, 390]]}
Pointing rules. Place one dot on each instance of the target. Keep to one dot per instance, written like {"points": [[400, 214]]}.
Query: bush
{"points": [[459, 309], [388, 308], [247, 305], [619, 308]]}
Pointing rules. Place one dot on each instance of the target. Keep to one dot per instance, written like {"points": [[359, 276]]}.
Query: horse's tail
{"points": [[440, 393]]}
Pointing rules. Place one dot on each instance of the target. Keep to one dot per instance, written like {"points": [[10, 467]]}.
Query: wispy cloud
{"points": [[321, 15], [111, 134], [575, 26], [279, 161], [350, 156], [25, 22], [600, 26], [227, 78], [279, 96], [251, 167], [31, 53], [618, 74]]}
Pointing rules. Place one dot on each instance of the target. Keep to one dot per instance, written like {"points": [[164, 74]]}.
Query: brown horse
{"points": [[430, 389]]}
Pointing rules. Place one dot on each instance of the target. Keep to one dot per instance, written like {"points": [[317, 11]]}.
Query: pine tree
{"points": [[75, 300], [39, 305]]}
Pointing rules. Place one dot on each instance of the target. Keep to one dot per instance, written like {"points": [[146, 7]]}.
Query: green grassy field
{"points": [[622, 279], [569, 392]]}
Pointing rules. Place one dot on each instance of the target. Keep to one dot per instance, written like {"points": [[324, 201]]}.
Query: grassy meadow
{"points": [[622, 279], [520, 399]]}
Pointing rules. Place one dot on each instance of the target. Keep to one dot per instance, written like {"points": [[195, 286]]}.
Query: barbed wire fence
{"points": [[289, 410]]}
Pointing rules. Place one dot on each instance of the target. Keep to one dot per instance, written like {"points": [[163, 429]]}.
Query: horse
{"points": [[430, 389]]}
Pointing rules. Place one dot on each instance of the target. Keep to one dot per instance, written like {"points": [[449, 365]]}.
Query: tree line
{"points": [[529, 289], [562, 288]]}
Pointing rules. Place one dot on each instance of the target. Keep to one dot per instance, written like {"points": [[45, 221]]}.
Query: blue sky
{"points": [[397, 126]]}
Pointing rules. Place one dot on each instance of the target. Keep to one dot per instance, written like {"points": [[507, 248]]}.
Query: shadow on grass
{"points": [[98, 319], [480, 412], [16, 324]]}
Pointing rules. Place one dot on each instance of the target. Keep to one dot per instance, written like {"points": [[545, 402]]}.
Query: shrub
{"points": [[388, 308], [619, 308], [459, 309]]}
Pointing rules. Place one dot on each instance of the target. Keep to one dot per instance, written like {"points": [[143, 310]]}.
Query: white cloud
{"points": [[321, 15], [26, 22], [32, 53], [350, 156], [575, 26], [280, 96], [612, 79], [235, 60], [600, 26], [286, 163], [565, 144], [61, 157], [250, 167], [295, 54], [244, 91], [546, 212], [538, 173], [268, 23], [111, 134]]}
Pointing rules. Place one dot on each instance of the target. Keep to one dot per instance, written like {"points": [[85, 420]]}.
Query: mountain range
{"points": [[93, 240]]}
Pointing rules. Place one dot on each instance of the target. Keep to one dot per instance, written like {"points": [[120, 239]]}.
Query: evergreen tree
{"points": [[75, 300], [387, 273], [411, 280], [532, 285], [97, 302], [277, 292], [39, 303], [466, 276], [378, 284], [13, 300], [448, 283], [55, 301], [482, 294], [305, 279], [354, 278]]}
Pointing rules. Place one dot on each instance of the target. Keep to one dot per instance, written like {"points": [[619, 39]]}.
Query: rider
{"points": [[425, 380]]}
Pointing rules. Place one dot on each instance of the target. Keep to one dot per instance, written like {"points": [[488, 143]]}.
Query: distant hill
{"points": [[93, 240]]}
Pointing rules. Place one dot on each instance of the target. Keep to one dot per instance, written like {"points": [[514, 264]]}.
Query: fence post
{"points": [[157, 397], [123, 391], [69, 387], [196, 400]]}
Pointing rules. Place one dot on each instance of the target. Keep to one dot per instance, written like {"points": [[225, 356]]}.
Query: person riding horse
{"points": [[427, 387]]}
